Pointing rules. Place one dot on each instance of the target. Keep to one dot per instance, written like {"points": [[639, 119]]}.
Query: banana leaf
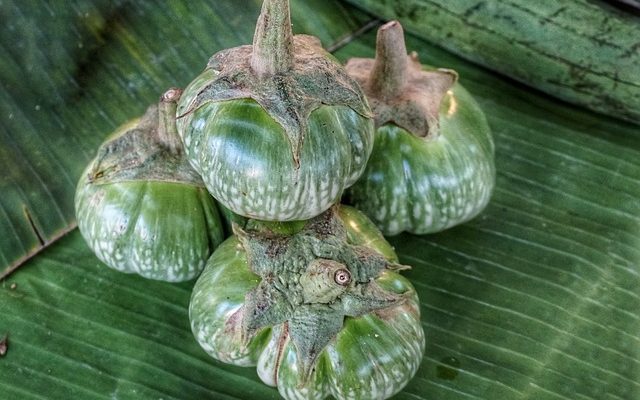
{"points": [[581, 51], [537, 298]]}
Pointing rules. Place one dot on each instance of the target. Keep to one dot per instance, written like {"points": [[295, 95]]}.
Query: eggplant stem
{"points": [[273, 40], [167, 130], [390, 70]]}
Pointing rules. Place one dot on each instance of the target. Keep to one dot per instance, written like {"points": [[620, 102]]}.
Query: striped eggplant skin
{"points": [[372, 357], [140, 206], [428, 184], [277, 129], [246, 160], [159, 230]]}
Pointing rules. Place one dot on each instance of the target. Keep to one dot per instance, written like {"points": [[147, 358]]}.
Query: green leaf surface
{"points": [[581, 51], [538, 298]]}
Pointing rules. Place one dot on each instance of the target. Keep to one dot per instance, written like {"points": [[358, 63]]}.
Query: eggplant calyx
{"points": [[311, 280], [146, 149], [288, 76], [398, 88]]}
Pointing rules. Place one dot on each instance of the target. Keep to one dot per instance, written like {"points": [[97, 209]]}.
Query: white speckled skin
{"points": [[372, 357], [424, 185], [160, 230], [247, 164]]}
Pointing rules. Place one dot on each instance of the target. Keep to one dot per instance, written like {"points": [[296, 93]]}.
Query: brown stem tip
{"points": [[390, 69], [273, 39], [171, 95]]}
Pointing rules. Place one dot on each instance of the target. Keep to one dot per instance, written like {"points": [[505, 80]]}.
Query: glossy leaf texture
{"points": [[581, 51], [537, 298]]}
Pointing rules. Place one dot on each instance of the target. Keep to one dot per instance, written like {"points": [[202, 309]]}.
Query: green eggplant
{"points": [[432, 165], [277, 130], [318, 306], [141, 207]]}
